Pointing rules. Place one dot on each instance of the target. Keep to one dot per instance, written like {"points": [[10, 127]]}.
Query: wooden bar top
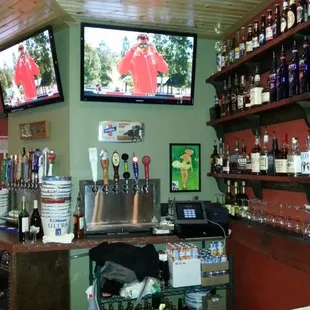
{"points": [[9, 242]]}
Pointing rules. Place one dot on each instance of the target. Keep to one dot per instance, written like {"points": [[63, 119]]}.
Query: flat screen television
{"points": [[137, 66], [29, 73]]}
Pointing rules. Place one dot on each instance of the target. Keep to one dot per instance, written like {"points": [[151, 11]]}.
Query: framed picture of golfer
{"points": [[184, 165]]}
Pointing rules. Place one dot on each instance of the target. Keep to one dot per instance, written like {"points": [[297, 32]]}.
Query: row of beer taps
{"points": [[26, 169], [116, 159]]}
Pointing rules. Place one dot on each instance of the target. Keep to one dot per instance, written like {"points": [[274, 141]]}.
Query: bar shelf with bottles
{"points": [[267, 164], [254, 43], [288, 84]]}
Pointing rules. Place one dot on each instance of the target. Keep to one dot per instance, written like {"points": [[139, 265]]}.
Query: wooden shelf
{"points": [[262, 109], [258, 182], [258, 54], [266, 178]]}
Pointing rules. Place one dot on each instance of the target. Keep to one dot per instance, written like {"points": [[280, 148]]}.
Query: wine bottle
{"points": [[78, 220], [35, 221], [23, 221]]}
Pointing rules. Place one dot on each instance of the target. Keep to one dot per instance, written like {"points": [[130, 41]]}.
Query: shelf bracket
{"points": [[257, 188], [307, 191], [219, 129], [218, 85], [305, 105], [254, 123], [221, 184]]}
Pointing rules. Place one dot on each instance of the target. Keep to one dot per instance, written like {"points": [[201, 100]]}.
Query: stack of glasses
{"points": [[56, 198]]}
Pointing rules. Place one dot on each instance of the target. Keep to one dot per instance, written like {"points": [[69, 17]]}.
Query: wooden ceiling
{"points": [[20, 17]]}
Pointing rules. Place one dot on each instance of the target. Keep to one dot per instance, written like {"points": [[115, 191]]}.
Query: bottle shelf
{"points": [[266, 178], [258, 182], [260, 54], [297, 107]]}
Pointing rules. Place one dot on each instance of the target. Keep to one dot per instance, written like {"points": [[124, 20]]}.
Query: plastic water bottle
{"points": [[91, 304]]}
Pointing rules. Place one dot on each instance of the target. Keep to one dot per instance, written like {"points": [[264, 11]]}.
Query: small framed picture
{"points": [[184, 167]]}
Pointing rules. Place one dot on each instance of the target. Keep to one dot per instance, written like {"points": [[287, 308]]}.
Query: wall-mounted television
{"points": [[29, 73], [137, 65]]}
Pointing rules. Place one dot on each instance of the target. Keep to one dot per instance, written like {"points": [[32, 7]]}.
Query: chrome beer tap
{"points": [[146, 160], [115, 163], [93, 159], [135, 168], [126, 174], [105, 167]]}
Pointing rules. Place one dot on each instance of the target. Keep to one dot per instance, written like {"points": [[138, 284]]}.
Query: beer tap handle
{"points": [[51, 157], [115, 163], [135, 167], [126, 174], [146, 160], [105, 166]]}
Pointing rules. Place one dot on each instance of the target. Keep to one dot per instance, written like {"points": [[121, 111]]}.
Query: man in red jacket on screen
{"points": [[143, 61], [25, 70]]}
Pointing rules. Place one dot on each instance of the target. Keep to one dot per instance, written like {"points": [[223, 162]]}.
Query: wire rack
{"points": [[167, 292]]}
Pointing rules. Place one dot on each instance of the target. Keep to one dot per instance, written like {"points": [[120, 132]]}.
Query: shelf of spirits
{"points": [[259, 54]]}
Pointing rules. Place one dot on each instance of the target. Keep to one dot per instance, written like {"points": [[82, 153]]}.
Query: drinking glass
{"points": [[289, 220], [296, 221]]}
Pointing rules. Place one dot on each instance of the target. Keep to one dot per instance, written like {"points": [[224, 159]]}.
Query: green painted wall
{"points": [[74, 127]]}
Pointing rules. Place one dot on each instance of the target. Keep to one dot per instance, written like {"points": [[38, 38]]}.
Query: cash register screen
{"points": [[189, 211]]}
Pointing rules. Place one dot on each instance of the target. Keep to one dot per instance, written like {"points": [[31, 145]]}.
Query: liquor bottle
{"points": [[219, 158], [255, 155], [282, 77], [227, 60], [223, 99], [224, 56], [249, 42], [306, 8], [292, 15], [232, 51], [266, 93], [226, 160], [237, 46], [300, 11], [111, 306], [35, 221], [234, 94], [262, 34], [228, 98], [305, 157], [242, 42], [78, 220], [217, 107], [248, 163], [244, 201], [240, 95], [256, 91], [272, 155], [281, 158], [234, 158], [283, 23], [293, 73], [180, 304], [235, 205], [255, 38], [294, 159], [247, 94], [23, 221], [213, 158], [269, 29], [304, 79], [120, 306], [276, 23], [242, 159], [263, 161], [273, 79]]}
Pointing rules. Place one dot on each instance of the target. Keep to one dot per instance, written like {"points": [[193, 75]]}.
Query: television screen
{"points": [[29, 75], [137, 66]]}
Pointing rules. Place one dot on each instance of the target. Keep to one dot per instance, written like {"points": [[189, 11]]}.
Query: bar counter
{"points": [[9, 242]]}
